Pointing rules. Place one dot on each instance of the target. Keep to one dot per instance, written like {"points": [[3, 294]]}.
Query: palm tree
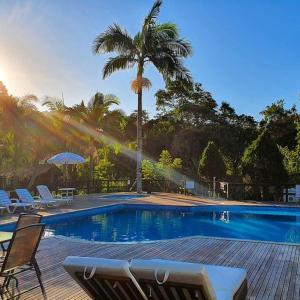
{"points": [[155, 43], [97, 108], [94, 114]]}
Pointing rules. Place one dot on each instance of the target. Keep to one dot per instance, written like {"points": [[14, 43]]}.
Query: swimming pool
{"points": [[123, 196], [140, 223]]}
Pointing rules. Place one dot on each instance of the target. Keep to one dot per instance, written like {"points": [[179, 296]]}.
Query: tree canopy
{"points": [[262, 161], [211, 163], [192, 135]]}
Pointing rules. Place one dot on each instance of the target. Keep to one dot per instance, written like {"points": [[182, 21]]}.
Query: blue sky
{"points": [[245, 52]]}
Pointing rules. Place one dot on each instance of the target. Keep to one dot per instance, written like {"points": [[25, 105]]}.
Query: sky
{"points": [[245, 52]]}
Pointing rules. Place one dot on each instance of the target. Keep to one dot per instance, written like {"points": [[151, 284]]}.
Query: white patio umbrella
{"points": [[66, 158]]}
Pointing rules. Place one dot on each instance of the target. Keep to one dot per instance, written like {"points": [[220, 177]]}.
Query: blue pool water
{"points": [[123, 197], [132, 223]]}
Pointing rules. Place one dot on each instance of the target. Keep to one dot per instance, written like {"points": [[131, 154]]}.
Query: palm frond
{"points": [[28, 101], [170, 29], [120, 62], [179, 47], [153, 13], [111, 99], [54, 104], [171, 67], [96, 101], [149, 23], [113, 39]]}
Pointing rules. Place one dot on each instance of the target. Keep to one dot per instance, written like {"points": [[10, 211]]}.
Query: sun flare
{"points": [[3, 76]]}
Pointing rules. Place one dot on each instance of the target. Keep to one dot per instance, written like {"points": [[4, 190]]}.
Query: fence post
{"points": [[227, 194], [214, 187]]}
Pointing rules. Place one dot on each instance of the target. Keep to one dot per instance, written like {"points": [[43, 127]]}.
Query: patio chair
{"points": [[165, 279], [104, 278], [20, 258], [46, 195], [24, 220], [10, 206], [37, 202]]}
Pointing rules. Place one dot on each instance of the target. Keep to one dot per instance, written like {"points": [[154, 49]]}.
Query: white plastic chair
{"points": [[46, 196], [26, 197], [10, 206]]}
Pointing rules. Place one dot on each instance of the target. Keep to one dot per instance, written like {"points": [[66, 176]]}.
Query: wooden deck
{"points": [[273, 269]]}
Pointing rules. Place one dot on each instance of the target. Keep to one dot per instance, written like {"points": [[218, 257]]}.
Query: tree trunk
{"points": [[139, 143]]}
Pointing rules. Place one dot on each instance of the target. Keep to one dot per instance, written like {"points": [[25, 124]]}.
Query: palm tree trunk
{"points": [[139, 143]]}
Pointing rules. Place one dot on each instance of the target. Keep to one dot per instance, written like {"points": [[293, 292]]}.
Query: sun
{"points": [[3, 76]]}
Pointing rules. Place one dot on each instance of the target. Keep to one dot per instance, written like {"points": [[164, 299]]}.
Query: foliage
{"points": [[281, 123], [291, 156], [165, 168], [211, 163], [187, 102], [262, 161], [189, 119]]}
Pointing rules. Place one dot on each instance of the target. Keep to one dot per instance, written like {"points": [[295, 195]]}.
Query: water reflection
{"points": [[221, 216]]}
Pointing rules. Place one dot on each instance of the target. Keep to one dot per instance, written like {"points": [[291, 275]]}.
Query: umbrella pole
{"points": [[66, 175]]}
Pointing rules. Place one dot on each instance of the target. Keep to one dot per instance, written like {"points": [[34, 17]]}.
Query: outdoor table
{"points": [[67, 192]]}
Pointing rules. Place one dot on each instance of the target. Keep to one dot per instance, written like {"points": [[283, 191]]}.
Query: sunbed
{"points": [[37, 202], [10, 206], [157, 279], [104, 278], [45, 195], [161, 279]]}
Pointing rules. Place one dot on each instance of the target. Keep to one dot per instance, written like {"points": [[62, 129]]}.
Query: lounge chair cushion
{"points": [[225, 280], [100, 266], [24, 195], [111, 267], [45, 193], [4, 198], [178, 272]]}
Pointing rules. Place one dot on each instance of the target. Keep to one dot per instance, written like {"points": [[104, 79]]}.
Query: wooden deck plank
{"points": [[267, 273], [273, 269], [276, 272], [280, 285]]}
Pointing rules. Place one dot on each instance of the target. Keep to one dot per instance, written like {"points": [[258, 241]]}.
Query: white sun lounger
{"points": [[157, 279], [104, 278], [10, 206], [167, 279], [46, 196], [26, 197]]}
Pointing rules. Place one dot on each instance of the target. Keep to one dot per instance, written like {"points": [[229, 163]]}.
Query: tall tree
{"points": [[281, 123], [159, 44], [262, 162], [211, 163]]}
